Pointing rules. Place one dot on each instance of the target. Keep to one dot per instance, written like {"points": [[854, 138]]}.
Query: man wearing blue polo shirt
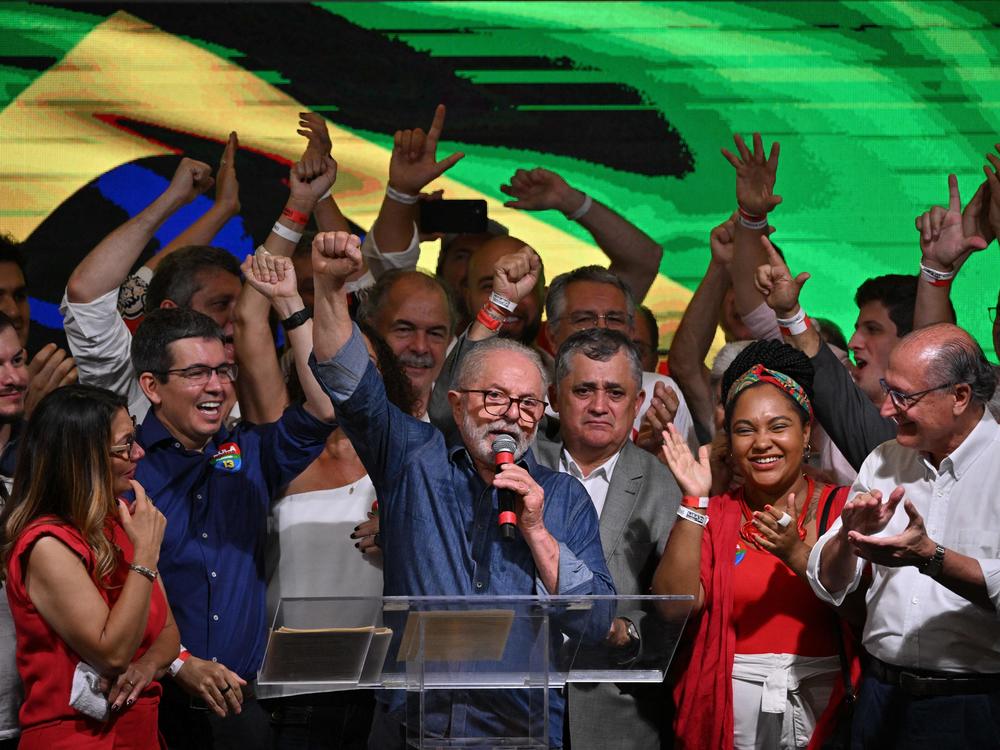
{"points": [[214, 486], [437, 504]]}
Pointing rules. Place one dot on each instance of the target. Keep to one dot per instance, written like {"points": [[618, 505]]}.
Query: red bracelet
{"points": [[296, 216], [494, 324], [690, 501]]}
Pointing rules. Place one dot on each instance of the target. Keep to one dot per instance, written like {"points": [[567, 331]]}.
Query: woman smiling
{"points": [[764, 662]]}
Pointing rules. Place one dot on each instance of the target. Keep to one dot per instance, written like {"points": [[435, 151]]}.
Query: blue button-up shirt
{"points": [[438, 518], [216, 502]]}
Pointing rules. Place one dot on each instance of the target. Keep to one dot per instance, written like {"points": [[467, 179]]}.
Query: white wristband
{"points": [[794, 325], [750, 224], [176, 664], [584, 207], [285, 233], [399, 196], [936, 277], [500, 301], [327, 194], [693, 516]]}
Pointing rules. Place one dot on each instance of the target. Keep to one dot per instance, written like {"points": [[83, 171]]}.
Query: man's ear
{"points": [[150, 386], [169, 303], [963, 397], [640, 399], [455, 399], [554, 398]]}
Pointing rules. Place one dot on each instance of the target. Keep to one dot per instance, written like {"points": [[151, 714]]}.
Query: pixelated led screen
{"points": [[873, 103]]}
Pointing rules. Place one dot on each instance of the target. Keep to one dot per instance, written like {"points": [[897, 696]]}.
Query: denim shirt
{"points": [[438, 518]]}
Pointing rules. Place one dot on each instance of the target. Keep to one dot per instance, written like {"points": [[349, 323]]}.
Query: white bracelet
{"points": [[693, 516], [176, 664], [748, 224], [500, 301], [794, 325], [584, 207], [285, 233], [936, 277], [399, 196]]}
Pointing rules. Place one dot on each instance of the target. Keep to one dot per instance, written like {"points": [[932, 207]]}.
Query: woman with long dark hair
{"points": [[80, 562]]}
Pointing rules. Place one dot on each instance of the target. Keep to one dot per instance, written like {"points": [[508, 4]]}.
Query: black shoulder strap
{"points": [[832, 494]]}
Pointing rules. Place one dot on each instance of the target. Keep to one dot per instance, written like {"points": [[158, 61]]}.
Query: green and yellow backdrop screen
{"points": [[874, 103]]}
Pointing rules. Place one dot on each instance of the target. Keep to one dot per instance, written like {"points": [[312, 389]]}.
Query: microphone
{"points": [[504, 447]]}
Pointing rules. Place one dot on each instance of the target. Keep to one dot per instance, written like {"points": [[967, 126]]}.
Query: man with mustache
{"points": [[437, 499], [414, 313], [14, 380]]}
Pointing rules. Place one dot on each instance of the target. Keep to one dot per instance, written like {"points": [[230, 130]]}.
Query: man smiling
{"points": [[215, 487]]}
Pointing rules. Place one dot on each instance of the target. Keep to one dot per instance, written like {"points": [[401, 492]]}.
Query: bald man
{"points": [[923, 512]]}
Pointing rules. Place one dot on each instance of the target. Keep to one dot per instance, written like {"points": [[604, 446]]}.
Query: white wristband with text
{"points": [[693, 516], [285, 233], [500, 301]]}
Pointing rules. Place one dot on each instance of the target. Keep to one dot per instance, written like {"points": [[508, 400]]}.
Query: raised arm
{"points": [[634, 255], [273, 277], [696, 330], [329, 217], [755, 199], [679, 569], [849, 417], [947, 238], [412, 166], [107, 265], [225, 207]]}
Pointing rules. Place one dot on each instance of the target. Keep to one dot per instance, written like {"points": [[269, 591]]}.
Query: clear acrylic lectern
{"points": [[472, 672]]}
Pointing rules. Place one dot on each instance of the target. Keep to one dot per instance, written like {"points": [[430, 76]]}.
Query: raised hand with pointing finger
{"points": [[944, 244], [774, 281]]}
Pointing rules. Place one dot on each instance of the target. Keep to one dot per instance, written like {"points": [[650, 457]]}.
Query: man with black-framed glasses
{"points": [[438, 498], [215, 486], [923, 514]]}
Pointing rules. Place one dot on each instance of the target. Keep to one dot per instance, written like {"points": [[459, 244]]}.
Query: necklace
{"points": [[750, 533]]}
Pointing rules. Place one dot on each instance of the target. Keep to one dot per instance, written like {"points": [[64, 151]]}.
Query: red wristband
{"points": [[691, 501], [494, 324], [297, 216]]}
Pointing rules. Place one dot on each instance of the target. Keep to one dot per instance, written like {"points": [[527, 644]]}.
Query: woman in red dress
{"points": [[763, 668], [94, 631]]}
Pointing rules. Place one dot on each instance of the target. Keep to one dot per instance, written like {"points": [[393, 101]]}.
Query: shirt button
{"points": [[479, 584], [198, 496], [204, 535], [214, 574], [177, 445], [915, 600], [215, 659], [215, 617]]}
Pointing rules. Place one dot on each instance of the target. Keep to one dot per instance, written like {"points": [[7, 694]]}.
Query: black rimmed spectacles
{"points": [[497, 403], [124, 448], [903, 401], [201, 374]]}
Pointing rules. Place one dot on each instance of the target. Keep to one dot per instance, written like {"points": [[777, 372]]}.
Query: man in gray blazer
{"points": [[598, 391]]}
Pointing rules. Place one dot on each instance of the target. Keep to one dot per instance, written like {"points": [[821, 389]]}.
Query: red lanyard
{"points": [[749, 532]]}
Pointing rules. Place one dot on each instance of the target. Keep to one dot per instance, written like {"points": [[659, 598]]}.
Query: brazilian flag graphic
{"points": [[874, 104]]}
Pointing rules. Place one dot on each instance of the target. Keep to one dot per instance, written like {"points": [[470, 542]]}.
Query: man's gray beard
{"points": [[479, 442]]}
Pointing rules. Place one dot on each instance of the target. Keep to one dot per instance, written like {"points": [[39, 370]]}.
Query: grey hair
{"points": [[374, 297], [474, 363], [961, 360], [600, 345], [727, 354], [555, 301]]}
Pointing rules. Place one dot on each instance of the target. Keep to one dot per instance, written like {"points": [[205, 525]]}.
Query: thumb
{"points": [[447, 163], [974, 243], [801, 279], [790, 507], [911, 511]]}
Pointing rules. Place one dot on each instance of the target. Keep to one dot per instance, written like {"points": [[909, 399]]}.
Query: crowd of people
{"points": [[176, 474]]}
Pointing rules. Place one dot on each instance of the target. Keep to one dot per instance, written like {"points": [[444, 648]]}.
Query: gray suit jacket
{"points": [[637, 517]]}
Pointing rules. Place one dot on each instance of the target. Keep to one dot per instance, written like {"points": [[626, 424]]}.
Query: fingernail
{"points": [[354, 536], [357, 527], [357, 544], [129, 702], [115, 707]]}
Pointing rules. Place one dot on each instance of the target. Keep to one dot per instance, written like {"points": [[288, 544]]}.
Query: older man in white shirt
{"points": [[924, 514]]}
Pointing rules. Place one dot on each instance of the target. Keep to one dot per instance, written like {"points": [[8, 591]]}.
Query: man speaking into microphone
{"points": [[439, 513]]}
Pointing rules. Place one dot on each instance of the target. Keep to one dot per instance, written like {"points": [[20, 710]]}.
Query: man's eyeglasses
{"points": [[903, 401], [584, 319], [124, 449], [497, 404], [201, 374]]}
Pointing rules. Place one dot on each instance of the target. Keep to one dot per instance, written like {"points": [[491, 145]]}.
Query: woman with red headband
{"points": [[764, 667]]}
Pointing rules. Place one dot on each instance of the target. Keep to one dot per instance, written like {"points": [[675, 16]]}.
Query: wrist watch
{"points": [[932, 566]]}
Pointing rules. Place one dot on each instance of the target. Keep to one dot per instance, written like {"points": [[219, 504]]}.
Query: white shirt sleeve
{"points": [[991, 572], [836, 598], [380, 263], [101, 345]]}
